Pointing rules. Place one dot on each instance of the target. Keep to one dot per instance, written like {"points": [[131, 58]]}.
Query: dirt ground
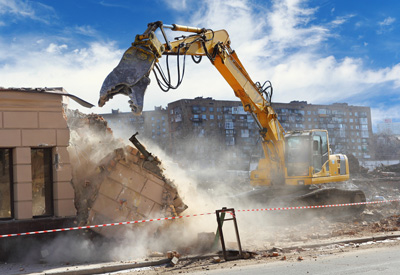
{"points": [[269, 236]]}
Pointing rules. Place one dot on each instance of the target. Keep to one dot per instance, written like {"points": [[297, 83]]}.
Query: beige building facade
{"points": [[35, 170]]}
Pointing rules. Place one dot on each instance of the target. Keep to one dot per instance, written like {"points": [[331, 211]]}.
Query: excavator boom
{"points": [[131, 78]]}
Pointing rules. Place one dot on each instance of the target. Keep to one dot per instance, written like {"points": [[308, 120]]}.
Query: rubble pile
{"points": [[113, 182], [383, 183], [382, 171], [387, 170]]}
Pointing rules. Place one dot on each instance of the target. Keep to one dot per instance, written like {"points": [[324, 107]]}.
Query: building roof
{"points": [[53, 90]]}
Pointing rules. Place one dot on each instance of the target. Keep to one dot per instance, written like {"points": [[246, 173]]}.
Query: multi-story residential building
{"points": [[150, 124], [207, 132]]}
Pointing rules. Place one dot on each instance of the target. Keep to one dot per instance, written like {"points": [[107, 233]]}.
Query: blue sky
{"points": [[319, 51]]}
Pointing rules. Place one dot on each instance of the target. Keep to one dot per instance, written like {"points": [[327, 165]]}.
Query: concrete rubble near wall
{"points": [[113, 181]]}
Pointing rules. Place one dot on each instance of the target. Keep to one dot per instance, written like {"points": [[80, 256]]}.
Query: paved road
{"points": [[370, 261]]}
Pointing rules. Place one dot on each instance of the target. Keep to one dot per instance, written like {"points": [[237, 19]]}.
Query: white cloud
{"points": [[86, 30], [340, 20], [386, 25], [18, 9], [387, 21], [176, 4], [80, 71], [327, 80], [54, 48], [291, 26]]}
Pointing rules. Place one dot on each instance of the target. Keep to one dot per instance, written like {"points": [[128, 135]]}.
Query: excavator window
{"points": [[320, 150], [297, 155], [317, 154]]}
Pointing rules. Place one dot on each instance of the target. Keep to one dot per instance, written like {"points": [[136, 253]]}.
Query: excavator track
{"points": [[334, 196], [282, 197]]}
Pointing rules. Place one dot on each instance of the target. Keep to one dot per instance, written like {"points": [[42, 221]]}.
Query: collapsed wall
{"points": [[114, 182]]}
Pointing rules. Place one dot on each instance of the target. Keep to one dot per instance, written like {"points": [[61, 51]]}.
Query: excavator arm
{"points": [[131, 77]]}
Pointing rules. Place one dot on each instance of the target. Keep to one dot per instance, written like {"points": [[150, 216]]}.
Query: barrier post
{"points": [[220, 220]]}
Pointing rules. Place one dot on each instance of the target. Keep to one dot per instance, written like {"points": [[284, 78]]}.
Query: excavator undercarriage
{"points": [[294, 196]]}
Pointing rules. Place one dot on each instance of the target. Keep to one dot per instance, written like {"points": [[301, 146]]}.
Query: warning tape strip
{"points": [[187, 216], [316, 206], [100, 225]]}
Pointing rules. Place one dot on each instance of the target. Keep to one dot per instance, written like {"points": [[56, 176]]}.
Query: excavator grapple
{"points": [[130, 77]]}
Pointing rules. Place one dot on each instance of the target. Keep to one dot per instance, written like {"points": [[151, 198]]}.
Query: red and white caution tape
{"points": [[194, 215], [100, 225], [316, 206]]}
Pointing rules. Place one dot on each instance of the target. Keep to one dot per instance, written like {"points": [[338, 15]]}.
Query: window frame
{"points": [[51, 185], [11, 173]]}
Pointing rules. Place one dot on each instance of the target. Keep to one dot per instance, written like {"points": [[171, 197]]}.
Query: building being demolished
{"points": [[57, 173]]}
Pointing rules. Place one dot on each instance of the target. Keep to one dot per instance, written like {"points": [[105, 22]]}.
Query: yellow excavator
{"points": [[298, 164]]}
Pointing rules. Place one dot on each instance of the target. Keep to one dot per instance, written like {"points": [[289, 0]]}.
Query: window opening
{"points": [[6, 209], [42, 182]]}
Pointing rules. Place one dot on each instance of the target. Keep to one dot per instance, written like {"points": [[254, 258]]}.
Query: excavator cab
{"points": [[308, 158]]}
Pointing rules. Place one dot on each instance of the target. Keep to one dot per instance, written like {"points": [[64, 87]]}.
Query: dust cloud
{"points": [[203, 189]]}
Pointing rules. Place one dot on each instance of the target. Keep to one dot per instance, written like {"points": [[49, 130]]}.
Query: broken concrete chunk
{"points": [[274, 254], [216, 259], [174, 261], [172, 254]]}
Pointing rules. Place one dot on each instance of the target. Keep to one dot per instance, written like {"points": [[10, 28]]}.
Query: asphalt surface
{"points": [[384, 260]]}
